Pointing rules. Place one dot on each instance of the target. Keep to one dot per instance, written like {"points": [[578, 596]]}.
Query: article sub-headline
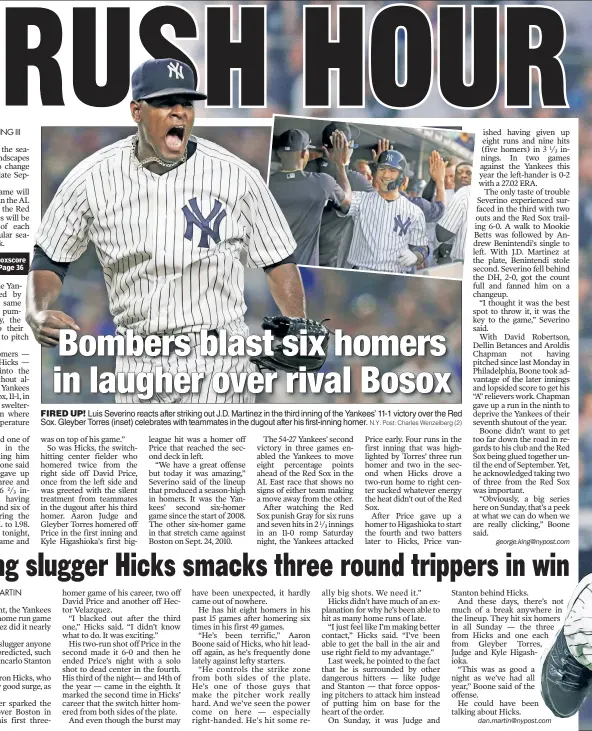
{"points": [[129, 565]]}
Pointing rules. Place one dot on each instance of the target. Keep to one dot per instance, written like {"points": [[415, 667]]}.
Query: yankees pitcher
{"points": [[169, 215], [389, 231]]}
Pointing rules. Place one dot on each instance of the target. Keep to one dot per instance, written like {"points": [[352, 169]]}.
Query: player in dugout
{"points": [[303, 195], [429, 192], [432, 210], [389, 230], [336, 232]]}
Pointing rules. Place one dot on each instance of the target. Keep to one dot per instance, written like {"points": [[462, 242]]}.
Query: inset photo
{"points": [[373, 197]]}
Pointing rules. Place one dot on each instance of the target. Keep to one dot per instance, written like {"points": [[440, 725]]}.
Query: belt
{"points": [[212, 333], [193, 337]]}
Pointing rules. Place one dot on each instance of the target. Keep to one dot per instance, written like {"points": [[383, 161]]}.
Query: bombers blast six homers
{"points": [[236, 345]]}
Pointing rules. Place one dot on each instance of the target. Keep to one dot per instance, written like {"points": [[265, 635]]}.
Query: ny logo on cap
{"points": [[195, 217], [177, 69]]}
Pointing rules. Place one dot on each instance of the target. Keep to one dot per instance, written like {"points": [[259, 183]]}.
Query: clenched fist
{"points": [[46, 326]]}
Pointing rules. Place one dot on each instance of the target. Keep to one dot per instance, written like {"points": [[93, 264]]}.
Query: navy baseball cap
{"points": [[392, 159], [416, 185], [294, 140], [162, 77], [341, 127]]}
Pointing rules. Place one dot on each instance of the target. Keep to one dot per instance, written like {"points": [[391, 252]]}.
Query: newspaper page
{"points": [[295, 404]]}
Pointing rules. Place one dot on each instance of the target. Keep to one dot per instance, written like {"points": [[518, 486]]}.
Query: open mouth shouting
{"points": [[175, 140]]}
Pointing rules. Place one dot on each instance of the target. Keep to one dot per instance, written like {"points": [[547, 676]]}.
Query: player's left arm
{"points": [[437, 174], [271, 246], [285, 286], [268, 236]]}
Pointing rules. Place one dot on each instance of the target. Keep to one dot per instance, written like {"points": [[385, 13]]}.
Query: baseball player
{"points": [[451, 230], [430, 192], [432, 210], [389, 230], [463, 175], [336, 232], [449, 179], [415, 187], [363, 168], [169, 215], [302, 196], [437, 197]]}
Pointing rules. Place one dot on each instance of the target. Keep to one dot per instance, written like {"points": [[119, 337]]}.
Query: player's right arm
{"points": [[62, 238], [338, 154], [354, 207], [43, 289]]}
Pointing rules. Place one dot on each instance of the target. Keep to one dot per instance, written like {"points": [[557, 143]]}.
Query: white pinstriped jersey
{"points": [[455, 221], [207, 365], [169, 244], [383, 229]]}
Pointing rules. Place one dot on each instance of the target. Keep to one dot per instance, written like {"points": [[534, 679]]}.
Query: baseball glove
{"points": [[442, 254], [282, 326]]}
